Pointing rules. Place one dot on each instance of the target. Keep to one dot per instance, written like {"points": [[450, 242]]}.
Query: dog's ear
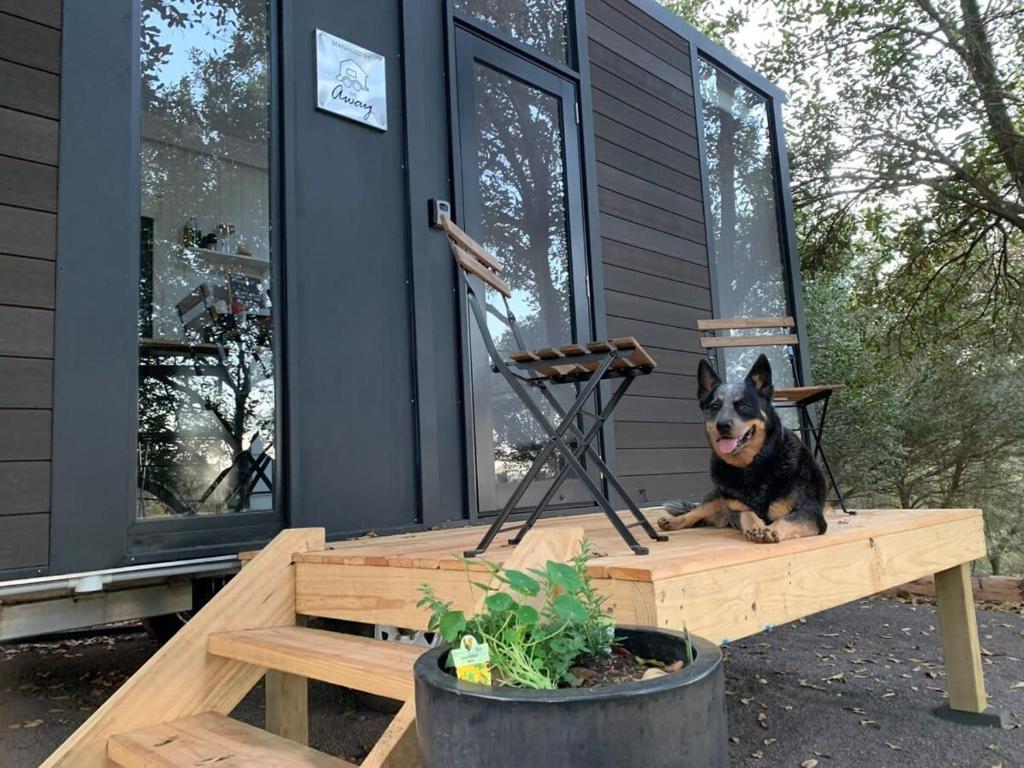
{"points": [[761, 376], [707, 379]]}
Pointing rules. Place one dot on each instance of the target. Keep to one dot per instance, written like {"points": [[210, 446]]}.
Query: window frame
{"points": [[95, 425], [579, 75]]}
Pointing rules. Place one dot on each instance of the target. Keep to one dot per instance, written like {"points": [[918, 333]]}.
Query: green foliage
{"points": [[906, 140], [533, 648]]}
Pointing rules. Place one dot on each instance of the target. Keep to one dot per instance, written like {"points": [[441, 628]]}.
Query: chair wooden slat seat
{"points": [[794, 395], [638, 357]]}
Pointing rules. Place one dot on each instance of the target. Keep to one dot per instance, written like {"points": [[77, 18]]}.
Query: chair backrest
{"points": [[785, 339], [474, 259]]}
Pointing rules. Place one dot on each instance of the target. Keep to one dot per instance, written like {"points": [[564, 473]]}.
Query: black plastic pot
{"points": [[669, 722]]}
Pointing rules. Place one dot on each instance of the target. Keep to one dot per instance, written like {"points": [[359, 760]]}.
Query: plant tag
{"points": [[472, 661]]}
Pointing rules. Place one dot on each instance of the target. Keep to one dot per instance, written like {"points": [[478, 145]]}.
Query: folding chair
{"points": [[800, 397], [581, 365]]}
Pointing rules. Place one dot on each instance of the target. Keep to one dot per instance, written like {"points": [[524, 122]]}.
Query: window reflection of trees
{"points": [[206, 396], [744, 216], [523, 220], [541, 24]]}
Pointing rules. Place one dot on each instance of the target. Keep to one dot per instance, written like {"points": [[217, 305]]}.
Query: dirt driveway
{"points": [[851, 688]]}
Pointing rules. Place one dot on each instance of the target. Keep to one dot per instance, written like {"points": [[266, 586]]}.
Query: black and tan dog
{"points": [[767, 484]]}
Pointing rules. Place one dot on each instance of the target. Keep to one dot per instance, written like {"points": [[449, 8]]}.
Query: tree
{"points": [[905, 133], [905, 122]]}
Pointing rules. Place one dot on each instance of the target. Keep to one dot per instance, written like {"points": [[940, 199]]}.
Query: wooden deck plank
{"points": [[212, 739], [686, 551], [711, 580], [745, 598], [354, 662]]}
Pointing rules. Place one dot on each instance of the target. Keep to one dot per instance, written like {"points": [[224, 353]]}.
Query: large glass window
{"points": [[541, 24], [206, 368], [744, 213]]}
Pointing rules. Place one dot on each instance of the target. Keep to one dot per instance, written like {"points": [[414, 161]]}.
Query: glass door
{"points": [[521, 197]]}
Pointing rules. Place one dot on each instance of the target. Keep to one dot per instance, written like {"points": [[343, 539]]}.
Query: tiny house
{"points": [[223, 311]]}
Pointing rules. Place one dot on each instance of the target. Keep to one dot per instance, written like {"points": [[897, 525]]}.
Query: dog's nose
{"points": [[724, 427]]}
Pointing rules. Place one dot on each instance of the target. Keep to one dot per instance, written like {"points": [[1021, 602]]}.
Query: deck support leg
{"points": [[288, 706], [961, 650], [397, 746]]}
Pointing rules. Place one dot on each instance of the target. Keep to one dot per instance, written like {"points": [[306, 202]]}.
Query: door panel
{"points": [[521, 198]]}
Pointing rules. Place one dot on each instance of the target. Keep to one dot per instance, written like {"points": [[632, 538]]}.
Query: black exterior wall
{"points": [[30, 35], [653, 240], [372, 431], [350, 417]]}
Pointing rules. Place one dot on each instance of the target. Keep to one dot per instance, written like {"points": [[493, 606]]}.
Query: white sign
{"points": [[350, 81]]}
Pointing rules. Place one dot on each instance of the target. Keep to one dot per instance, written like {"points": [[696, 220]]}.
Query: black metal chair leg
{"points": [[605, 470], [579, 469], [581, 449], [609, 511], [819, 451], [545, 452]]}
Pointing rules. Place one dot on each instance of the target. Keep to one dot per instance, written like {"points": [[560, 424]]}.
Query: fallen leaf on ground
{"points": [[812, 763]]}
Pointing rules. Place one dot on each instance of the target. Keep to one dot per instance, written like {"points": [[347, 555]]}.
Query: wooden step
{"points": [[374, 666], [212, 739]]}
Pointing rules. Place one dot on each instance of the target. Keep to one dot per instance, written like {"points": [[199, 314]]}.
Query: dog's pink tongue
{"points": [[727, 444]]}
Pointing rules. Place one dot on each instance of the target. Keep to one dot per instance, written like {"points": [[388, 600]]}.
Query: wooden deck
{"points": [[711, 581]]}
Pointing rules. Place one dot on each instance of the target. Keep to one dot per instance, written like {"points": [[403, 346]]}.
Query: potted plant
{"points": [[568, 687]]}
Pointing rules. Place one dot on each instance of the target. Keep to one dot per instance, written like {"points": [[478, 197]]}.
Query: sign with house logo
{"points": [[350, 81]]}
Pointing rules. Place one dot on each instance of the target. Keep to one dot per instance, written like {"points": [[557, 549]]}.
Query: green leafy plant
{"points": [[531, 647]]}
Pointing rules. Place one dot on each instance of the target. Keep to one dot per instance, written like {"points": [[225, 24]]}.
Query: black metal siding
{"points": [[653, 242]]}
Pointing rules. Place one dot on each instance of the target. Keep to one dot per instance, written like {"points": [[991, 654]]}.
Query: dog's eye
{"points": [[715, 405]]}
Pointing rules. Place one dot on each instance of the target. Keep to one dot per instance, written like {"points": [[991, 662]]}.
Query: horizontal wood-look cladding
{"points": [[29, 122], [653, 241]]}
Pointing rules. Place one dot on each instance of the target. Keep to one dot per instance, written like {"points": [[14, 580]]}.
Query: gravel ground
{"points": [[851, 687]]}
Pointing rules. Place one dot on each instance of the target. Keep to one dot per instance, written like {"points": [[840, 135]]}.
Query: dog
{"points": [[767, 483]]}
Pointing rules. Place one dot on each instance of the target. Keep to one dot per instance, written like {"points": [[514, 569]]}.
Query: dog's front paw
{"points": [[763, 535], [665, 523], [679, 507]]}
